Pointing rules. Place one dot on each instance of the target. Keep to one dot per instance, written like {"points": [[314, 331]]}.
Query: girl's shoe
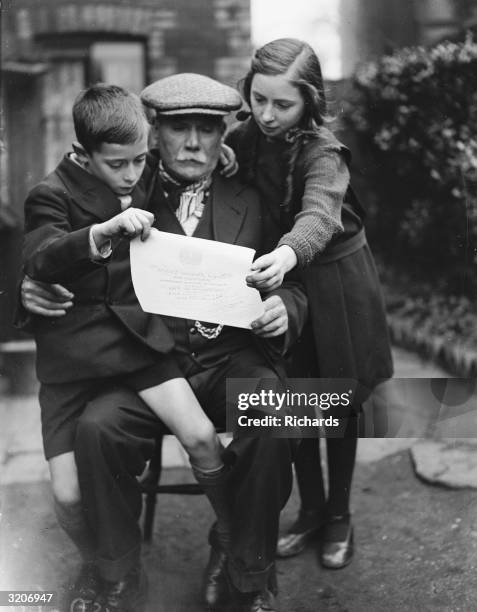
{"points": [[303, 530], [337, 544]]}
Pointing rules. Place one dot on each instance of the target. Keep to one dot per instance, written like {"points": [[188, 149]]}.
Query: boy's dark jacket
{"points": [[88, 342]]}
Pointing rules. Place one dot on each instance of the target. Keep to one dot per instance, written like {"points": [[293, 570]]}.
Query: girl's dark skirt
{"points": [[347, 334]]}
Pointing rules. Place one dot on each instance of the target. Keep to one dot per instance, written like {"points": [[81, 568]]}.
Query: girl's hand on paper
{"points": [[269, 270]]}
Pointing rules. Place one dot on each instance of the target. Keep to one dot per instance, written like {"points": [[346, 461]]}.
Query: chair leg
{"points": [[272, 580], [150, 482], [150, 511]]}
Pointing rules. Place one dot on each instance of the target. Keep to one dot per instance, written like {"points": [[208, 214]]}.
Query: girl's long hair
{"points": [[297, 58]]}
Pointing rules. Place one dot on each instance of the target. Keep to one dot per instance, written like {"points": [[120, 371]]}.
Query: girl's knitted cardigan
{"points": [[316, 182]]}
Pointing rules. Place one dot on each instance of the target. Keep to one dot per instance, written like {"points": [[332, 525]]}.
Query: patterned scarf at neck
{"points": [[191, 199]]}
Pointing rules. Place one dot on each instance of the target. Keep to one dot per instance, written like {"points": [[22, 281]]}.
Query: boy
{"points": [[77, 221]]}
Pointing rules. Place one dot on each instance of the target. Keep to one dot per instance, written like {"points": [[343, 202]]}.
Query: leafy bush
{"points": [[416, 111], [439, 326]]}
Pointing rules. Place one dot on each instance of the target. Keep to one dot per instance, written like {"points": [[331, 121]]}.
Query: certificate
{"points": [[193, 278]]}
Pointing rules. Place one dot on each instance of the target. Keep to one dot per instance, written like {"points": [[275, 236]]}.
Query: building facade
{"points": [[370, 29]]}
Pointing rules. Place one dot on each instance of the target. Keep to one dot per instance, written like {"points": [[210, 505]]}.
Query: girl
{"points": [[314, 222]]}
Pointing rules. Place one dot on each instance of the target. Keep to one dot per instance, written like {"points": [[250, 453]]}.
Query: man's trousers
{"points": [[115, 438]]}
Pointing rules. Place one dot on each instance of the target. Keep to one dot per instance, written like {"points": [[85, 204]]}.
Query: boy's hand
{"points": [[228, 161], [131, 222], [268, 271], [44, 299]]}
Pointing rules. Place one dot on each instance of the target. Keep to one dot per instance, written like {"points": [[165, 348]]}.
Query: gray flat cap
{"points": [[190, 93]]}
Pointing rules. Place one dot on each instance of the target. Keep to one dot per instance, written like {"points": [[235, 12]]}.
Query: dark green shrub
{"points": [[416, 112]]}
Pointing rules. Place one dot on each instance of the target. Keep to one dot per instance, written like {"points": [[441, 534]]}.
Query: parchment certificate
{"points": [[193, 278]]}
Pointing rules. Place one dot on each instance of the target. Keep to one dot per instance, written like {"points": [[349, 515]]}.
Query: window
{"points": [[118, 63]]}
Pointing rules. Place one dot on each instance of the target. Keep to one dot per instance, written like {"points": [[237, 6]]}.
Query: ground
{"points": [[416, 544], [416, 548]]}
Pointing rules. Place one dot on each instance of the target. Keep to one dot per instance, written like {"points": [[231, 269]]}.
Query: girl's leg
{"points": [[309, 477], [341, 460], [176, 405], [68, 508], [337, 545]]}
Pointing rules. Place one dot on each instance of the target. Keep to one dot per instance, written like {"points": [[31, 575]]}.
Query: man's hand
{"points": [[228, 161], [268, 270], [274, 321], [44, 299], [131, 222]]}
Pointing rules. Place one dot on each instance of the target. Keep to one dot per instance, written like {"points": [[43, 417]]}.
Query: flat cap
{"points": [[189, 93]]}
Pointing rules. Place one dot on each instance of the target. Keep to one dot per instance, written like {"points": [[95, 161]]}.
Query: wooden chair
{"points": [[151, 487]]}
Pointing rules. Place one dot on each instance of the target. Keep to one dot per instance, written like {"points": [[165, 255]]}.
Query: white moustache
{"points": [[197, 160]]}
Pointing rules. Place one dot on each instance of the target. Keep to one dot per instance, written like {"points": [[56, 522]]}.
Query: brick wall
{"points": [[208, 36]]}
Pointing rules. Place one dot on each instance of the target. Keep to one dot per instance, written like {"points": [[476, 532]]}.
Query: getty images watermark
{"points": [[295, 408], [315, 407], [287, 402]]}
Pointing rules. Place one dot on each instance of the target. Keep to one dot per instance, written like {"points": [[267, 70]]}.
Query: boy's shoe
{"points": [[337, 545], [304, 529], [81, 597], [261, 601]]}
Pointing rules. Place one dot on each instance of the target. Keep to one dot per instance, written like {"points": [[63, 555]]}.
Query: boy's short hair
{"points": [[108, 113]]}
